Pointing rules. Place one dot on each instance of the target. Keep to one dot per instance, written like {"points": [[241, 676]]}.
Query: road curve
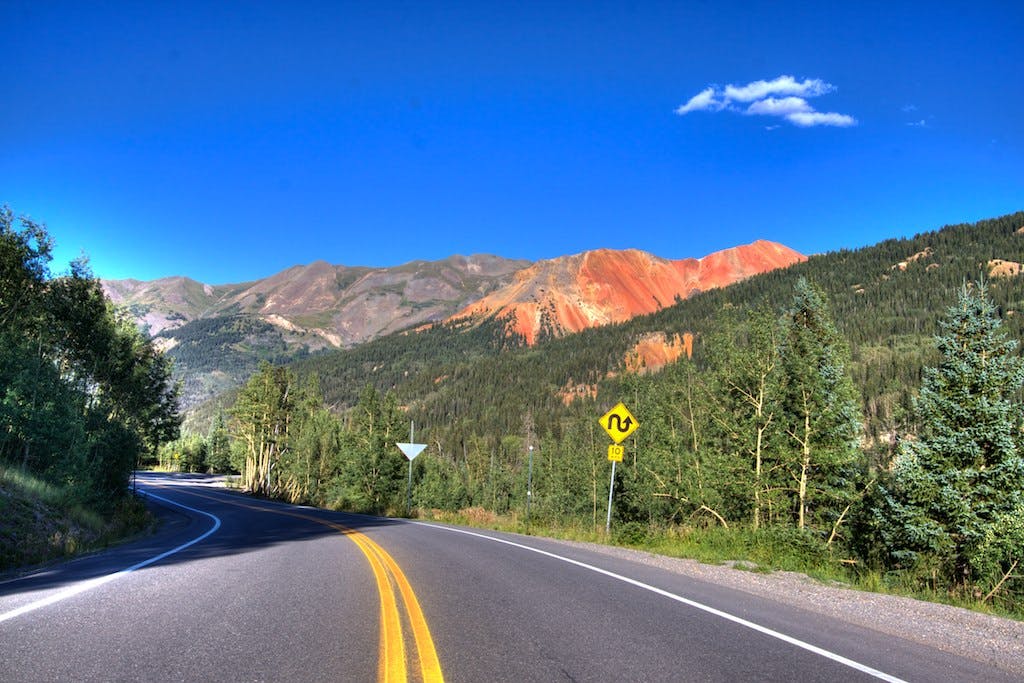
{"points": [[238, 589]]}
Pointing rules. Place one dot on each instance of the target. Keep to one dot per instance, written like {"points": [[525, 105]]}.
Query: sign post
{"points": [[619, 423], [611, 489], [410, 450], [529, 489]]}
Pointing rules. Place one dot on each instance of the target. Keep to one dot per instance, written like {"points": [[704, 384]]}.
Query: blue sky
{"points": [[227, 141]]}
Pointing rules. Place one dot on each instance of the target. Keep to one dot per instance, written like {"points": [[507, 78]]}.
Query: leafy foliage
{"points": [[83, 394], [885, 305], [818, 411]]}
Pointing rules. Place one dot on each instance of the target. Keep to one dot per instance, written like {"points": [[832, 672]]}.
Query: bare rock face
{"points": [[569, 294], [1000, 268], [656, 350]]}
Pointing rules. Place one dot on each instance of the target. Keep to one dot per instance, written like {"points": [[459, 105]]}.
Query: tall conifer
{"points": [[964, 473], [819, 410]]}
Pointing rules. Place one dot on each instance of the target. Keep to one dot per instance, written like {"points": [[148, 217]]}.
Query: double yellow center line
{"points": [[392, 666], [392, 644]]}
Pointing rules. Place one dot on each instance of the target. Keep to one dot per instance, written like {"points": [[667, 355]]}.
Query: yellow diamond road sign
{"points": [[619, 423]]}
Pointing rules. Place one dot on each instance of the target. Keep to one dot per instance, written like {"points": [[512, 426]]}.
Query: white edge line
{"points": [[881, 675], [100, 580]]}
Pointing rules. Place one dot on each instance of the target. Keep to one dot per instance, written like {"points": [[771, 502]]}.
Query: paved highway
{"points": [[237, 589]]}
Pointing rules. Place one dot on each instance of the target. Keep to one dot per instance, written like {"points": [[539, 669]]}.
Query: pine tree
{"points": [[964, 474], [819, 411]]}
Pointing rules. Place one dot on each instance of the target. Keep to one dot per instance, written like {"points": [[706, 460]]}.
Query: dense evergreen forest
{"points": [[84, 396], [864, 405], [211, 355], [886, 300]]}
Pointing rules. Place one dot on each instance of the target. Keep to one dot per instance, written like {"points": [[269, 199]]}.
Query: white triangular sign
{"points": [[411, 450]]}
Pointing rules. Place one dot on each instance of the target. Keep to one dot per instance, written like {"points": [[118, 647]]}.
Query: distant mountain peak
{"points": [[318, 305], [568, 294]]}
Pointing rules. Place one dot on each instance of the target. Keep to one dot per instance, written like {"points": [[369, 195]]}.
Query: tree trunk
{"points": [[805, 466]]}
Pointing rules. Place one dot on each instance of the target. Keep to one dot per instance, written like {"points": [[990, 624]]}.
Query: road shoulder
{"points": [[992, 640]]}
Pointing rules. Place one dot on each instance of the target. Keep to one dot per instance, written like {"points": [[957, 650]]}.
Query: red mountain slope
{"points": [[599, 287]]}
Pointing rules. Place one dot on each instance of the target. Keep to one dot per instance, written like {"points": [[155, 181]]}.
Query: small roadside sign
{"points": [[619, 423], [411, 450]]}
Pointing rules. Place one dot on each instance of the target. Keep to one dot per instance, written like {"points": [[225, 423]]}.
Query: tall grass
{"points": [[43, 522], [31, 486]]}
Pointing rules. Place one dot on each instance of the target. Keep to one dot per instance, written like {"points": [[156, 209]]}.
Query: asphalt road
{"points": [[237, 589]]}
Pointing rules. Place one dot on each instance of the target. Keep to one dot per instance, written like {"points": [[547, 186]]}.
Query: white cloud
{"points": [[783, 85], [784, 97], [918, 124], [908, 108], [781, 107], [806, 119], [702, 101]]}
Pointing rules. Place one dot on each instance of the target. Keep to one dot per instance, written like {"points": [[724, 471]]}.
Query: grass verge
{"points": [[43, 522]]}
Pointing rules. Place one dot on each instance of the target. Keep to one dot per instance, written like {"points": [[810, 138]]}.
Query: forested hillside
{"points": [[886, 301], [214, 355], [796, 420], [218, 334]]}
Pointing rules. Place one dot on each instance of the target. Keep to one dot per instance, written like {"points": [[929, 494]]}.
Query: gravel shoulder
{"points": [[993, 640]]}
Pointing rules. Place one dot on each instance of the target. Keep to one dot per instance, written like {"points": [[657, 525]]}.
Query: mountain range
{"points": [[463, 382], [218, 334]]}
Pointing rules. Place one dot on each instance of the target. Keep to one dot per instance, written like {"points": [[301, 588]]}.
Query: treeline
{"points": [[284, 441], [83, 394], [765, 435], [886, 304]]}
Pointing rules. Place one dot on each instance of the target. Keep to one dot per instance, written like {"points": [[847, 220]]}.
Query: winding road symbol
{"points": [[619, 423]]}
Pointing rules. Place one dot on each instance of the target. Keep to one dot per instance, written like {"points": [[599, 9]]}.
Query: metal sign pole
{"points": [[611, 488], [408, 492], [529, 487]]}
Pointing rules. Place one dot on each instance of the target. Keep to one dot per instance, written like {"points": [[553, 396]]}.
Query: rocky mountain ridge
{"points": [[218, 334], [572, 293], [340, 305]]}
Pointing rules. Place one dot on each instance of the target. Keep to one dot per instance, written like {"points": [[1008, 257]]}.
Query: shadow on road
{"points": [[248, 524]]}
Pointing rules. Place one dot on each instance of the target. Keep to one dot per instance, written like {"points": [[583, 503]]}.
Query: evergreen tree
{"points": [[819, 411], [963, 477]]}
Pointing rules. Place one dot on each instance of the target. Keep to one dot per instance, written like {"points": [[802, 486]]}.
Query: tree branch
{"points": [[1001, 581]]}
